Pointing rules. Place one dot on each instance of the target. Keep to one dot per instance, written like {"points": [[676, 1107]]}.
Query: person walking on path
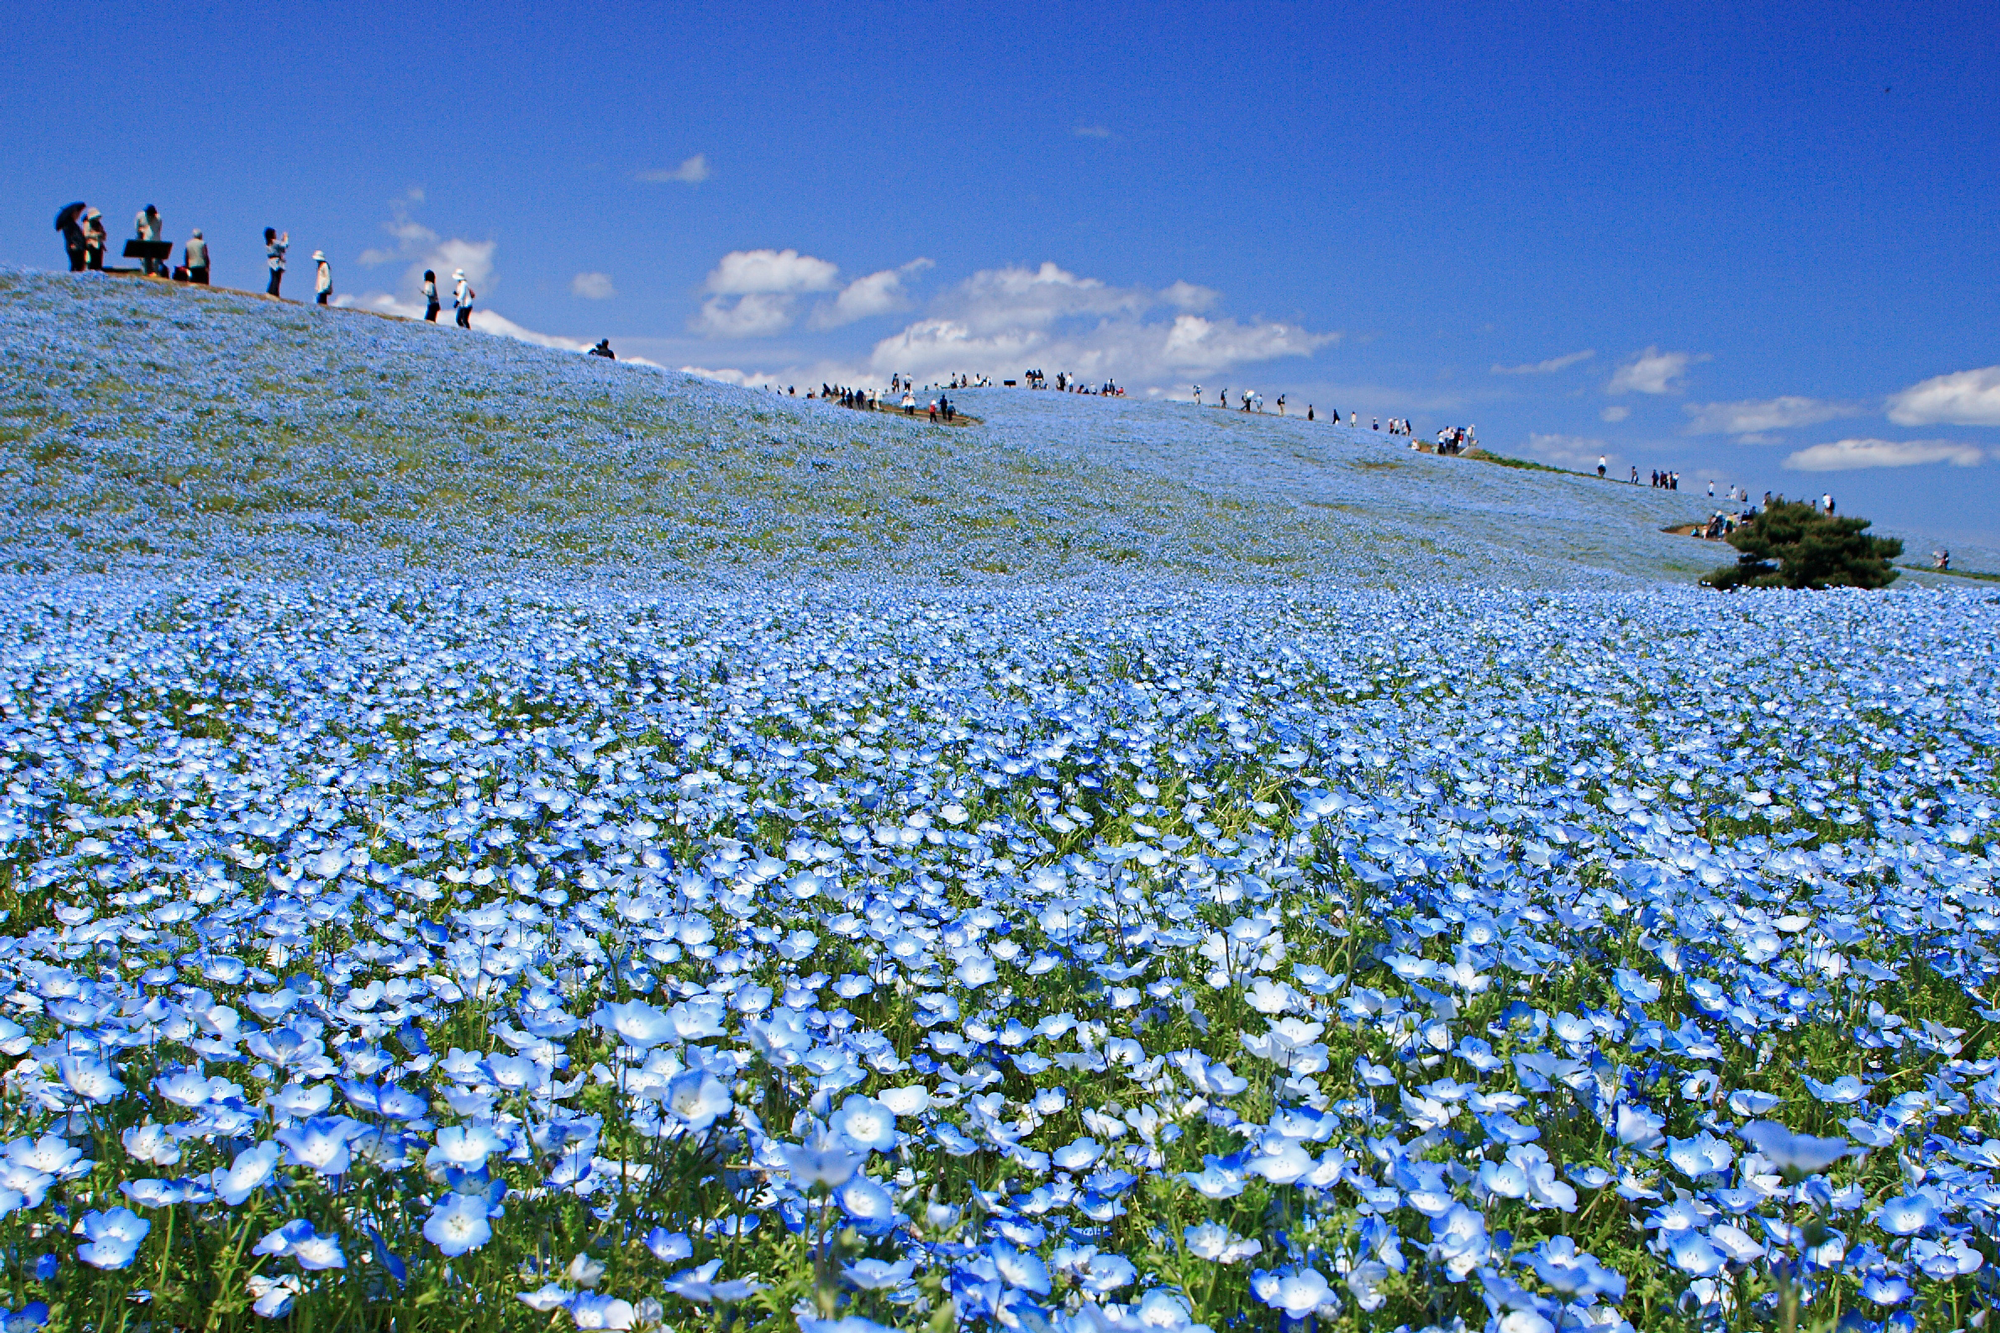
{"points": [[70, 223], [146, 226], [461, 298], [430, 297], [322, 278], [94, 240], [197, 258], [274, 257]]}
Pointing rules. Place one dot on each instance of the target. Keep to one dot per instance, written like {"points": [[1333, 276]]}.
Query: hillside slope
{"points": [[144, 424]]}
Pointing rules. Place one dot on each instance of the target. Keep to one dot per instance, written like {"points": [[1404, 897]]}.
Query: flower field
{"points": [[496, 840], [402, 956], [144, 426]]}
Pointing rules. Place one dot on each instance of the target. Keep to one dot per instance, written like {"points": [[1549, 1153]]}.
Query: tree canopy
{"points": [[1794, 545]]}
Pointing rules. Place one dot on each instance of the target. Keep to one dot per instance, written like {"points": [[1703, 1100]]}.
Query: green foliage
{"points": [[1796, 546]]}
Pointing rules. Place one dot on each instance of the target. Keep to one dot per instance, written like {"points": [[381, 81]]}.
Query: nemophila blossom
{"points": [[699, 1285], [1296, 1291], [1801, 1153], [696, 1098], [879, 1274], [272, 1297], [458, 1224], [866, 1123], [112, 1237]]}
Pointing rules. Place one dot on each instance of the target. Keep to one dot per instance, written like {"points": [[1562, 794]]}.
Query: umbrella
{"points": [[67, 217]]}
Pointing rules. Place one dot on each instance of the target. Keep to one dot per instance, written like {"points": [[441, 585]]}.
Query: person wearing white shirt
{"points": [[323, 278]]}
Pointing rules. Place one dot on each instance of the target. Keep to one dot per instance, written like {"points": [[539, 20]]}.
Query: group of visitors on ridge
{"points": [[85, 240]]}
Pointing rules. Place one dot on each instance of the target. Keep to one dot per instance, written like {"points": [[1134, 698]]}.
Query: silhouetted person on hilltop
{"points": [[603, 349], [431, 306], [274, 256]]}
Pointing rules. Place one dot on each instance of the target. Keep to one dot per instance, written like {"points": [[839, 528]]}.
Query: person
{"points": [[603, 349], [322, 278], [1635, 474], [1281, 404], [70, 223], [95, 237], [274, 257], [461, 298], [1309, 411], [146, 227], [909, 403], [1600, 465], [1197, 395], [197, 258], [1711, 488], [431, 306], [1826, 503], [1941, 559], [933, 411]]}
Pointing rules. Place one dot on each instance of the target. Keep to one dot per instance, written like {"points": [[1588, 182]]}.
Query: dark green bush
{"points": [[1796, 546]]}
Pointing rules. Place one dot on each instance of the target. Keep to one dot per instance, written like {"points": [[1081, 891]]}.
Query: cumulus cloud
{"points": [[692, 171], [753, 272], [1966, 398], [1652, 371], [412, 237], [1615, 412], [1187, 296], [592, 286], [1847, 455], [1548, 367], [877, 294], [757, 315], [483, 320], [1754, 416], [754, 293], [1568, 450], [998, 322]]}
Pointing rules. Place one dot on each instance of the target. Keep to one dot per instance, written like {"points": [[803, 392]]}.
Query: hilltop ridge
{"points": [[154, 425]]}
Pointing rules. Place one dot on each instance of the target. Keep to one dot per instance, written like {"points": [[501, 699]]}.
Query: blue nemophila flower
{"points": [[1297, 1291], [669, 1246], [1573, 1272], [296, 1239], [699, 1285], [322, 1144], [250, 1172], [1801, 1153], [866, 1123], [272, 1297], [879, 1274], [112, 1237], [1213, 1241], [589, 1309], [636, 1023], [458, 1224], [1906, 1215]]}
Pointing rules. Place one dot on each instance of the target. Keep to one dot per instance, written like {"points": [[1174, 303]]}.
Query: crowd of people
{"points": [[86, 241], [938, 409]]}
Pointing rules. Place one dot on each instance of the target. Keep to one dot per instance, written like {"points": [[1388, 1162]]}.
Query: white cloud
{"points": [[1187, 296], [692, 171], [1092, 131], [1548, 367], [1615, 412], [1846, 455], [877, 294], [411, 236], [1652, 371], [1754, 416], [747, 272], [757, 315], [1006, 300], [592, 286], [1123, 349], [1569, 450], [1966, 398], [753, 293], [483, 320]]}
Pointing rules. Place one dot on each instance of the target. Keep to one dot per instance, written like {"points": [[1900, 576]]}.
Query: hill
{"points": [[149, 424]]}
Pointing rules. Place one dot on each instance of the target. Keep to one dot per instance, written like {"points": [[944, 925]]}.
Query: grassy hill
{"points": [[144, 424]]}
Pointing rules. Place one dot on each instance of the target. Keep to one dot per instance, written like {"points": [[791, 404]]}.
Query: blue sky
{"points": [[1772, 229]]}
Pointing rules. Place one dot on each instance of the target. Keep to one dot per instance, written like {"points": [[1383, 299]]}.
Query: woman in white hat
{"points": [[461, 298], [322, 280]]}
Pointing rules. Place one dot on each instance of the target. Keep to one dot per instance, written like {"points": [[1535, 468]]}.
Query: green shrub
{"points": [[1796, 546]]}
